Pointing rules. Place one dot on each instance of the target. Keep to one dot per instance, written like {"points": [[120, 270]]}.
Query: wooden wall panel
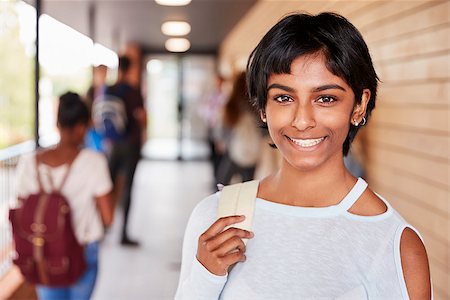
{"points": [[440, 283], [415, 117], [423, 144], [430, 93], [430, 170], [407, 140], [423, 43], [238, 45], [430, 13], [428, 197], [386, 10], [421, 68]]}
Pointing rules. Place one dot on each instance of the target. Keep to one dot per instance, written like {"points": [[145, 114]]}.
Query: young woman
{"points": [[87, 189], [318, 232], [243, 138]]}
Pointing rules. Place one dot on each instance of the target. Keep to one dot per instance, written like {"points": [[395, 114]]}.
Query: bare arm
{"points": [[141, 116], [415, 266], [106, 208]]}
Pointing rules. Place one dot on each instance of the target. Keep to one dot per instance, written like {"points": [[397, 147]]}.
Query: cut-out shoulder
{"points": [[368, 204], [415, 266]]}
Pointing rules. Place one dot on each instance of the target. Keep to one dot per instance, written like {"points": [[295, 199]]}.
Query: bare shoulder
{"points": [[415, 266], [47, 156], [369, 204]]}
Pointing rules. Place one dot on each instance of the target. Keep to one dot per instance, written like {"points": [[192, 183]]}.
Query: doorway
{"points": [[176, 86]]}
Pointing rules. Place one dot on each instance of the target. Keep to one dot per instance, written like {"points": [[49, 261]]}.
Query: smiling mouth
{"points": [[306, 143]]}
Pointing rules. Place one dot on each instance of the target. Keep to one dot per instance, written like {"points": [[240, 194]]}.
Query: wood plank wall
{"points": [[408, 138]]}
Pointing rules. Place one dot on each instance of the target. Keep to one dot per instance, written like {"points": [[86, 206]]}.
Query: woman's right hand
{"points": [[218, 249]]}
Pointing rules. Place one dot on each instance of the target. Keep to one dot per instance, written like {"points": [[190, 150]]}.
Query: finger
{"points": [[233, 258], [219, 225], [231, 245], [222, 237]]}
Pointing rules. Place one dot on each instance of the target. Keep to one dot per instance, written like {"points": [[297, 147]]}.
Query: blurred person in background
{"points": [[94, 139], [242, 135], [87, 189], [210, 111], [318, 231], [99, 75], [124, 152]]}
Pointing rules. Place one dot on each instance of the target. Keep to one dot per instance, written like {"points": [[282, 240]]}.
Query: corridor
{"points": [[164, 192]]}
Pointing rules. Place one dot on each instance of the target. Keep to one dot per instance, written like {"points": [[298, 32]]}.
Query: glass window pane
{"points": [[17, 49], [66, 57], [162, 107]]}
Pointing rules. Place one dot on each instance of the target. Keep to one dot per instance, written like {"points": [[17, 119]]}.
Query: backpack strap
{"points": [[38, 175], [67, 173], [239, 199]]}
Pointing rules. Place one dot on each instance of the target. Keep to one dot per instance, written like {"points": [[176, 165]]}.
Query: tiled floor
{"points": [[164, 195]]}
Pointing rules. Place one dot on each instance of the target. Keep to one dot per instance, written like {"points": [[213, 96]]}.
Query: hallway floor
{"points": [[164, 195]]}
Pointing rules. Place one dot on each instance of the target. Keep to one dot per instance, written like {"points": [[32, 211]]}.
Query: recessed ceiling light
{"points": [[175, 28], [173, 2], [178, 45]]}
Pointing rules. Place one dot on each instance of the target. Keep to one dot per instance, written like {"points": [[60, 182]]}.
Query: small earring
{"points": [[264, 120], [363, 121], [356, 123]]}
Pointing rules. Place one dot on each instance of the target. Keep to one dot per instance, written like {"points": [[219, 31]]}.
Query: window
{"points": [[17, 50]]}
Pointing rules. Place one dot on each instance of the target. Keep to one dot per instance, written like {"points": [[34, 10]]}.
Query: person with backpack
{"points": [[310, 230], [64, 204], [120, 117]]}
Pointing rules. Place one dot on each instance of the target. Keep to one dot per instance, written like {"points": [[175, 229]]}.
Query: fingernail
{"points": [[251, 234]]}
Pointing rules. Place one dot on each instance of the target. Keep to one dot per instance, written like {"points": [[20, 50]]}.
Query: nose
{"points": [[304, 117]]}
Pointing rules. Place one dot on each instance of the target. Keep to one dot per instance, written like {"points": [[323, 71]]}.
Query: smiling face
{"points": [[308, 113]]}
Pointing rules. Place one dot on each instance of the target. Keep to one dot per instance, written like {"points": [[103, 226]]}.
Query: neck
{"points": [[67, 147], [323, 186]]}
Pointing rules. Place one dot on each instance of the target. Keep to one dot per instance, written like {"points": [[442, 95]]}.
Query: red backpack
{"points": [[48, 251]]}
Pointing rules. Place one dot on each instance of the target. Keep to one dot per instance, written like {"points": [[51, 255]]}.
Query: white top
{"points": [[245, 141], [302, 253], [88, 178]]}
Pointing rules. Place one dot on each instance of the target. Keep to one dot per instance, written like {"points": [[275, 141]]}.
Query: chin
{"points": [[305, 165]]}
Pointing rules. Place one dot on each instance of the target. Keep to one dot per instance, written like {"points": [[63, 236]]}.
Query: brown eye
{"points": [[326, 99], [283, 98]]}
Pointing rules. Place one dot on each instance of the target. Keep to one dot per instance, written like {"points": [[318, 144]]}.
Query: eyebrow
{"points": [[314, 90], [281, 87], [328, 87]]}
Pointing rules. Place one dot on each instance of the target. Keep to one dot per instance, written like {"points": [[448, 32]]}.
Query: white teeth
{"points": [[307, 143]]}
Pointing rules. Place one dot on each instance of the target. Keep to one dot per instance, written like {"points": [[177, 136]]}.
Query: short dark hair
{"points": [[124, 63], [346, 55], [72, 111]]}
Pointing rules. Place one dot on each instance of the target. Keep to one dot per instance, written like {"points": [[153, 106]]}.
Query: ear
{"points": [[262, 115], [359, 111]]}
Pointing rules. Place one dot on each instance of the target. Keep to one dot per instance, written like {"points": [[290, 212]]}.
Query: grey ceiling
{"points": [[117, 22]]}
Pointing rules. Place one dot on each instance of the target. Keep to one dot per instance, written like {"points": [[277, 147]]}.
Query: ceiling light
{"points": [[177, 45], [173, 2], [175, 28]]}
